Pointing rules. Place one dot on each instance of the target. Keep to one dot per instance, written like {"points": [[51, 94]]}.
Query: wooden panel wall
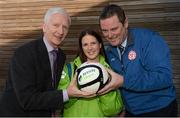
{"points": [[20, 22]]}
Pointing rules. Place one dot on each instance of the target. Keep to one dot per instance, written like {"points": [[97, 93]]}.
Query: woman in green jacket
{"points": [[91, 49]]}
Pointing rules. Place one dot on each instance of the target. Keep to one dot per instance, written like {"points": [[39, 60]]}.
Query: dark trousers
{"points": [[169, 111]]}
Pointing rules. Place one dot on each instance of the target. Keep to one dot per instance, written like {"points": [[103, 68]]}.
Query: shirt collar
{"points": [[124, 43], [48, 46]]}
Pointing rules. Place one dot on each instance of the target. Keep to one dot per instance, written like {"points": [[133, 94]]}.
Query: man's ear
{"points": [[44, 27], [126, 23]]}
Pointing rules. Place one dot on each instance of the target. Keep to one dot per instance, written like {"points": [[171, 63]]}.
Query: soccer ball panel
{"points": [[92, 88]]}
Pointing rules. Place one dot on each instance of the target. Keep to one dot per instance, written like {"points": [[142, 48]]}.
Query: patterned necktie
{"points": [[121, 48], [55, 67]]}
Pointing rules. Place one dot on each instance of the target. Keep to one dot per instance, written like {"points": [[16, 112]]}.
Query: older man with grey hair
{"points": [[35, 70]]}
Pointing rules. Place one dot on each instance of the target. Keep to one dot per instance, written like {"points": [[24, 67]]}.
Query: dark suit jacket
{"points": [[29, 91]]}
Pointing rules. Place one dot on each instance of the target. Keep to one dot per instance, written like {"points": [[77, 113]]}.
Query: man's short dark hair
{"points": [[111, 10]]}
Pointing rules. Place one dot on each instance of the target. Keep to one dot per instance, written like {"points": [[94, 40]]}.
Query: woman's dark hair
{"points": [[98, 38], [111, 10]]}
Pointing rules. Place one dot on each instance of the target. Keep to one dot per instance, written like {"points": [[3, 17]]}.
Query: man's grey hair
{"points": [[55, 10]]}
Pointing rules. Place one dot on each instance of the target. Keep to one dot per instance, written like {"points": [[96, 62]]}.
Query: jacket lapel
{"points": [[44, 62]]}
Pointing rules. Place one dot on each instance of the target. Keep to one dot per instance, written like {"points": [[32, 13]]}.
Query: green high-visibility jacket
{"points": [[106, 105]]}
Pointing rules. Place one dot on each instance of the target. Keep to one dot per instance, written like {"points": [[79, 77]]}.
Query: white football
{"points": [[91, 77]]}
